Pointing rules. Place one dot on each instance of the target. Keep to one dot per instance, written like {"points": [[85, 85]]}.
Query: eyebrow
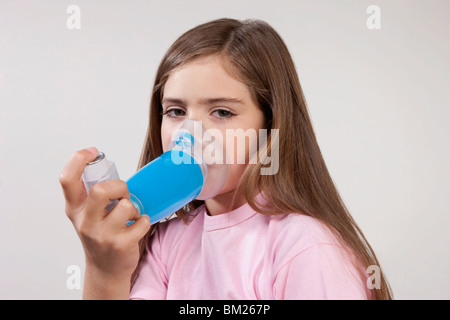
{"points": [[202, 101]]}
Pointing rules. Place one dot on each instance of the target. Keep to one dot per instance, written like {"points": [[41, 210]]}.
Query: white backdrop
{"points": [[378, 99]]}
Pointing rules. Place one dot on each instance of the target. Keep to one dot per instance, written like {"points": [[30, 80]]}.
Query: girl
{"points": [[286, 235]]}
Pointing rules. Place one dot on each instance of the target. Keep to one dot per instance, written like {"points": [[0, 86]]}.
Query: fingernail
{"points": [[92, 150]]}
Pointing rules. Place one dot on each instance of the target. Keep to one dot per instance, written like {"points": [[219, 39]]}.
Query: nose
{"points": [[191, 131], [199, 121], [195, 114], [191, 125]]}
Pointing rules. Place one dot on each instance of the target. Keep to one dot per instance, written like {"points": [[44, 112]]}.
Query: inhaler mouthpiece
{"points": [[195, 144]]}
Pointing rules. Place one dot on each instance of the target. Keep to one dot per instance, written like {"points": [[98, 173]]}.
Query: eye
{"points": [[174, 112], [223, 114]]}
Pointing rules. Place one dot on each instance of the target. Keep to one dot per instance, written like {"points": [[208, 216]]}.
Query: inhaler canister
{"points": [[100, 170]]}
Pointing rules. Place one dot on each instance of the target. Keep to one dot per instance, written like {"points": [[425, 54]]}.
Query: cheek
{"points": [[166, 134], [239, 149]]}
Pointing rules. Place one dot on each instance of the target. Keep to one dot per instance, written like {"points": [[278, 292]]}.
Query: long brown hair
{"points": [[258, 56]]}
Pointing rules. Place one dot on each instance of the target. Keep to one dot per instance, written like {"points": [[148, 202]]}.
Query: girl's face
{"points": [[203, 90]]}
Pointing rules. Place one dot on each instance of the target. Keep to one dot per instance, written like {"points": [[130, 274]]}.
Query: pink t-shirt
{"points": [[243, 254]]}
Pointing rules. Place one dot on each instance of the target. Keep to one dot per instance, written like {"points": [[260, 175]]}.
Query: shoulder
{"points": [[306, 252], [291, 235], [302, 229]]}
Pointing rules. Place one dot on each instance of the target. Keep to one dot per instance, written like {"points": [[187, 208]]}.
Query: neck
{"points": [[224, 203]]}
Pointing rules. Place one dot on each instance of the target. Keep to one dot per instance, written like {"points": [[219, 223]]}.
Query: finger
{"points": [[70, 178], [101, 194], [138, 229], [122, 213]]}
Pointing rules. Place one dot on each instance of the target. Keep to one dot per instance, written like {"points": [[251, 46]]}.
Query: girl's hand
{"points": [[111, 247]]}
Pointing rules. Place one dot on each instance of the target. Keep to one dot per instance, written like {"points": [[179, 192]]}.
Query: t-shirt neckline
{"points": [[228, 219]]}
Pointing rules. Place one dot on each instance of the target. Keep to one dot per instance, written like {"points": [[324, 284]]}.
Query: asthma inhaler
{"points": [[100, 170], [179, 175]]}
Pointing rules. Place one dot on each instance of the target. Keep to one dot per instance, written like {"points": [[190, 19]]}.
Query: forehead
{"points": [[205, 77]]}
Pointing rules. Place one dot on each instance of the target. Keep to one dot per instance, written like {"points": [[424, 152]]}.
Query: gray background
{"points": [[378, 99]]}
